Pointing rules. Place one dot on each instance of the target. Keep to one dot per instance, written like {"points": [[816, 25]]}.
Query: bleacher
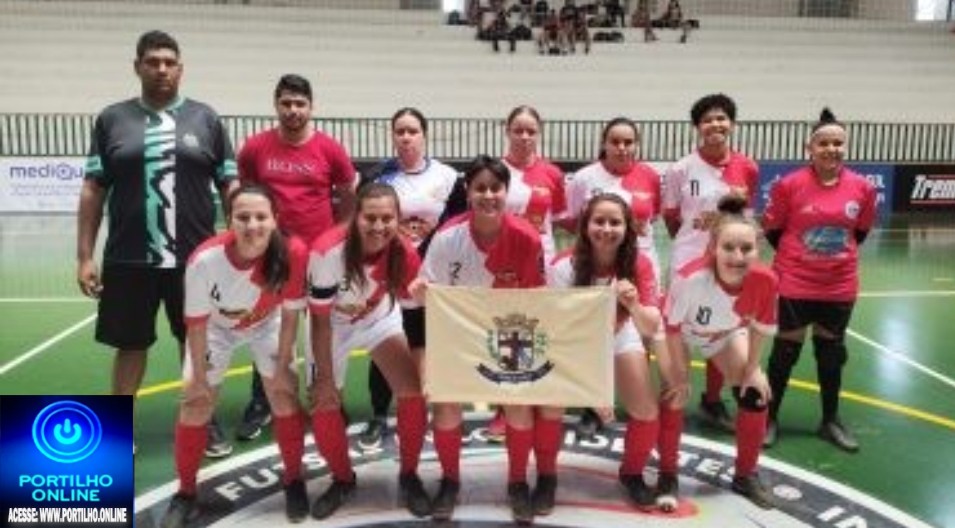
{"points": [[76, 57]]}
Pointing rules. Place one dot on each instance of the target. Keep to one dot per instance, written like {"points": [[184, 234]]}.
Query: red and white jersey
{"points": [[350, 303], [818, 257], [423, 195], [226, 292], [639, 187], [300, 176], [560, 274], [513, 260], [536, 194], [705, 310], [692, 188]]}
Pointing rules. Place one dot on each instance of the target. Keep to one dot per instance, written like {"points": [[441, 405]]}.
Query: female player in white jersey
{"points": [[423, 185], [724, 304], [357, 275], [692, 188], [606, 253], [817, 218], [618, 171], [243, 286], [489, 247]]}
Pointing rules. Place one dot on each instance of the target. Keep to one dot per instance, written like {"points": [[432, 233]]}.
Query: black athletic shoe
{"points": [[587, 426], [641, 495], [668, 491], [371, 436], [772, 434], [182, 510], [296, 502], [837, 434], [216, 444], [545, 494], [256, 416], [519, 497], [716, 415], [442, 508], [334, 497], [413, 495], [751, 488]]}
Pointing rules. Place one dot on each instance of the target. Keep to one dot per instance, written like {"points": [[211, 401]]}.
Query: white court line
{"points": [[45, 345], [902, 358], [15, 300], [908, 293]]}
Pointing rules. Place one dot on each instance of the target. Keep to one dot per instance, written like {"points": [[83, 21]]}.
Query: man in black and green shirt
{"points": [[153, 162]]}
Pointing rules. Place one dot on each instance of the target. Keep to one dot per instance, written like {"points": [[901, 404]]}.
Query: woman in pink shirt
{"points": [[816, 219]]}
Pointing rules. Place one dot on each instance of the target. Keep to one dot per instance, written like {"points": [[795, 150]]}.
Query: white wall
{"points": [[887, 9]]}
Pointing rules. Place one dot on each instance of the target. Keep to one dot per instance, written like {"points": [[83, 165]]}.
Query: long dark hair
{"points": [[585, 270], [612, 123], [354, 254], [275, 263]]}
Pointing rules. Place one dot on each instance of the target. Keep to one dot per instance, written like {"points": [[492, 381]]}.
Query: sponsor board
{"points": [[67, 460], [925, 188], [246, 491], [881, 175], [41, 185]]}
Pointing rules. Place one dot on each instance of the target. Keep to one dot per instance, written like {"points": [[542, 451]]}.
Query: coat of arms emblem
{"points": [[518, 347]]}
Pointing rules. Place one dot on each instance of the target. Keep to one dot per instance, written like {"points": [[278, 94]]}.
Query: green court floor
{"points": [[899, 391]]}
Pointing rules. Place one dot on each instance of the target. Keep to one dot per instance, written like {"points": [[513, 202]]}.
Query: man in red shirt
{"points": [[304, 168]]}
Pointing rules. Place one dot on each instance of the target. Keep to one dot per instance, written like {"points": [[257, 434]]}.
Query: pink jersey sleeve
{"points": [[777, 209], [868, 211]]}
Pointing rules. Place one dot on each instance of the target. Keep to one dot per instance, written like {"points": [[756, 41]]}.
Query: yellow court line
{"points": [[804, 385]]}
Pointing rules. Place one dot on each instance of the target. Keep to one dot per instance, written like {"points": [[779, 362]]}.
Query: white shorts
{"points": [[263, 341], [627, 340], [709, 348], [364, 334]]}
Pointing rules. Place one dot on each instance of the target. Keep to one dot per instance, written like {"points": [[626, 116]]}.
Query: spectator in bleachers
{"points": [[550, 39], [499, 29], [641, 19], [578, 31], [673, 19], [541, 10]]}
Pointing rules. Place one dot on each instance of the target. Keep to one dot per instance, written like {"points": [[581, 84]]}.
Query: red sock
{"points": [[412, 420], [547, 439], [714, 382], [668, 446], [447, 442], [289, 434], [190, 447], [329, 429], [519, 444], [750, 429], [641, 437]]}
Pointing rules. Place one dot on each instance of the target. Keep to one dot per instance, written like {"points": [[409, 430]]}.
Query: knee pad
{"points": [[831, 354], [748, 401], [785, 354]]}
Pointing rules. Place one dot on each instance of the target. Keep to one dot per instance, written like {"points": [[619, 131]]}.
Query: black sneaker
{"points": [[413, 495], [587, 425], [752, 488], [545, 494], [668, 491], [182, 510], [638, 492], [256, 416], [716, 415], [836, 433], [334, 497], [772, 434], [370, 437], [519, 497], [296, 502], [216, 444], [442, 508]]}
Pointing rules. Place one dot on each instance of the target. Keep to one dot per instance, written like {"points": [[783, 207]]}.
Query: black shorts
{"points": [[130, 300], [798, 313], [412, 319]]}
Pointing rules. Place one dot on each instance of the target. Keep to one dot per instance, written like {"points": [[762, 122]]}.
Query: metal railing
{"points": [[463, 138]]}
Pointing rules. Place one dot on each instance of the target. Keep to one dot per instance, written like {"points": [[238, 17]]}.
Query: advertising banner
{"points": [[40, 185], [925, 188]]}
